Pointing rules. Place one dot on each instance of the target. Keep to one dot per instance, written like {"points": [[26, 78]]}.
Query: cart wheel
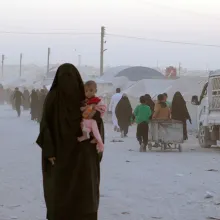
{"points": [[180, 148], [150, 146]]}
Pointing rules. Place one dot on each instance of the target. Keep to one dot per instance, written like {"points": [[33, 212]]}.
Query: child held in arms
{"points": [[91, 105]]}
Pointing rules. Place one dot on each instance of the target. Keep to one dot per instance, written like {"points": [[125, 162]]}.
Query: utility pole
{"points": [[179, 68], [48, 60], [102, 50], [3, 59], [79, 60], [21, 56]]}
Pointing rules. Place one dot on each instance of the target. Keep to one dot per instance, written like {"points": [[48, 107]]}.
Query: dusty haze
{"points": [[183, 20]]}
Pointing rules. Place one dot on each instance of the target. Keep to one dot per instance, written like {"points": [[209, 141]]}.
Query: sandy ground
{"points": [[134, 186]]}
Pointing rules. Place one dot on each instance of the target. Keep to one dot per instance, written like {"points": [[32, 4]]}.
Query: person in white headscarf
{"points": [[114, 102]]}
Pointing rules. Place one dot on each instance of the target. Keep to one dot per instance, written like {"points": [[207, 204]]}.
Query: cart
{"points": [[165, 134]]}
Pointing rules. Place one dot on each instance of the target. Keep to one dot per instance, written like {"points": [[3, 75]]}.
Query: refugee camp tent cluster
{"points": [[137, 81], [134, 81]]}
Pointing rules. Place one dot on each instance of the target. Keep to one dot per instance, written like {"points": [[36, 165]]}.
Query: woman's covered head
{"points": [[178, 97], [67, 79], [90, 89]]}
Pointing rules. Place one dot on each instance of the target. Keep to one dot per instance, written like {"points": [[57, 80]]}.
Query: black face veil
{"points": [[70, 94]]}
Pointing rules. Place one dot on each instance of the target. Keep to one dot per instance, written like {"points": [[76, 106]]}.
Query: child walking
{"points": [[89, 125], [142, 114]]}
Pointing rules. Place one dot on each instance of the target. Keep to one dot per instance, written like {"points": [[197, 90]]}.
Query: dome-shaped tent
{"points": [[138, 73]]}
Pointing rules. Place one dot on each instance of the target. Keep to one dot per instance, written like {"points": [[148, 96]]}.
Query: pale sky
{"points": [[195, 21]]}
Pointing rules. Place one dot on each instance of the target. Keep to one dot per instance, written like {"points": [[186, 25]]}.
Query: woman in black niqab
{"points": [[180, 112], [34, 105], [123, 113], [71, 185]]}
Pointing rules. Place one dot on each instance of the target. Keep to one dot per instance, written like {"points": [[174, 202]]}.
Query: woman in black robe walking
{"points": [[71, 170], [180, 112], [123, 113], [34, 105]]}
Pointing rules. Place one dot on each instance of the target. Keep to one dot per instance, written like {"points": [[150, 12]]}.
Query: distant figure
{"points": [[34, 105], [166, 100], [123, 113], [18, 96], [180, 112], [114, 101], [142, 114], [41, 100], [150, 103], [161, 110], [2, 95], [26, 101]]}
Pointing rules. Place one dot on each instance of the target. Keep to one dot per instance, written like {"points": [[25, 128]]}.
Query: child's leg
{"points": [[83, 137], [97, 135], [145, 134], [85, 130], [138, 134]]}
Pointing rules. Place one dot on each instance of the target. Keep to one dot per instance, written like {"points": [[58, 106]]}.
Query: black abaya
{"points": [[71, 186], [34, 105], [123, 113], [180, 112]]}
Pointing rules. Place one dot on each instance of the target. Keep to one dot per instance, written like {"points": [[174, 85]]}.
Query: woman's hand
{"points": [[52, 160]]}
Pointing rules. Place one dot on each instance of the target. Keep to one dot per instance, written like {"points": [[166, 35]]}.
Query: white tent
{"points": [[149, 86]]}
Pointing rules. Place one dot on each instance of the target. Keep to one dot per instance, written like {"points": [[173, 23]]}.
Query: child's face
{"points": [[90, 91]]}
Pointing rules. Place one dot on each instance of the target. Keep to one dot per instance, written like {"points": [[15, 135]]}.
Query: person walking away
{"points": [[2, 95], [71, 169], [166, 100], [34, 105], [180, 112], [26, 101], [150, 103], [41, 100], [18, 97], [142, 114], [114, 101], [161, 110], [123, 113]]}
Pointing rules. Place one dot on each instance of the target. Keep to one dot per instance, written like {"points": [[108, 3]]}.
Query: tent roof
{"points": [[138, 73]]}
